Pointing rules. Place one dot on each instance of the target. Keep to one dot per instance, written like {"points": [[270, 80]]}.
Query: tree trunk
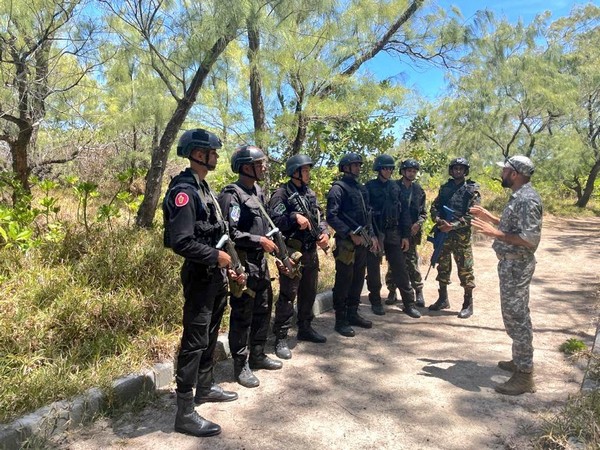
{"points": [[160, 153], [256, 96], [20, 163], [589, 186], [300, 133], [158, 163]]}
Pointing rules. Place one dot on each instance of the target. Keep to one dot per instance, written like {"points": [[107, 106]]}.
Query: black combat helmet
{"points": [[198, 138], [248, 154], [348, 159], [296, 162], [383, 161], [459, 162], [410, 164]]}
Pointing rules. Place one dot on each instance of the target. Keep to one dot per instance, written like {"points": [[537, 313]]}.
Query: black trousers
{"points": [[250, 315], [205, 293], [392, 244], [304, 288], [349, 280]]}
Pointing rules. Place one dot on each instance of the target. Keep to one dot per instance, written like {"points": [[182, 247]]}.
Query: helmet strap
{"points": [[253, 176], [202, 163], [296, 176], [348, 172]]}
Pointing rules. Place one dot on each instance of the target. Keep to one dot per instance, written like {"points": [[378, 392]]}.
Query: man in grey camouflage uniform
{"points": [[516, 238]]}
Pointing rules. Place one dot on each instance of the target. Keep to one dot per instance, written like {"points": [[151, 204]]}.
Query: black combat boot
{"points": [[188, 421], [243, 375], [208, 391], [307, 333], [281, 344], [376, 305], [420, 301], [356, 319], [442, 301], [411, 311], [215, 393], [377, 309], [259, 360], [342, 326], [467, 307], [392, 297]]}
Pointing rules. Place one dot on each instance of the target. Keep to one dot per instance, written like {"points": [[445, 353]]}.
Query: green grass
{"points": [[578, 421], [88, 310], [83, 313]]}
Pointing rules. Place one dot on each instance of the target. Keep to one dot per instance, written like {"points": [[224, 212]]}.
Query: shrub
{"points": [[571, 346]]}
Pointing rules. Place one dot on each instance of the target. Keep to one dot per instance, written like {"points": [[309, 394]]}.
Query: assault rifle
{"points": [[360, 231], [282, 253], [292, 266], [438, 237], [227, 245], [315, 232]]}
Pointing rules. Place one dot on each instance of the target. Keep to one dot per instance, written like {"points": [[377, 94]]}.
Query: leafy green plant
{"points": [[131, 203], [15, 235], [17, 223], [572, 346], [108, 212], [85, 190], [48, 203]]}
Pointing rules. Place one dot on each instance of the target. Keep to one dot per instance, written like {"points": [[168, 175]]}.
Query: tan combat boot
{"points": [[519, 383]]}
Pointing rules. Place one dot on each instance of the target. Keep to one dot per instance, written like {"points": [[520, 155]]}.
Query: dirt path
{"points": [[405, 383]]}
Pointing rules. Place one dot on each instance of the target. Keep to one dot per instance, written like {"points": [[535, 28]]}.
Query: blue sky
{"points": [[430, 82]]}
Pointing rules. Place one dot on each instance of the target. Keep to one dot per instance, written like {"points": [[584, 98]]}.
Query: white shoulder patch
{"points": [[234, 213]]}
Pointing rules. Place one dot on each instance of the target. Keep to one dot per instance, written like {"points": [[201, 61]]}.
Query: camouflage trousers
{"points": [[412, 266], [515, 277], [459, 246]]}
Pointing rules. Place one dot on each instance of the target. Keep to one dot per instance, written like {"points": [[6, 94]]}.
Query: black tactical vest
{"points": [[207, 228]]}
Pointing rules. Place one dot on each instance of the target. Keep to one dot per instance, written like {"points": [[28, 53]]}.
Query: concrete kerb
{"points": [[588, 383], [64, 415]]}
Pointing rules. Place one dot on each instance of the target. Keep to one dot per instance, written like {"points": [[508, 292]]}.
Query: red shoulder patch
{"points": [[181, 199]]}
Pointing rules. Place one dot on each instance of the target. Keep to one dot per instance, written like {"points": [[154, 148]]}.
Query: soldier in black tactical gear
{"points": [[348, 215], [251, 310], [289, 206], [458, 194], [192, 229], [413, 195], [392, 226]]}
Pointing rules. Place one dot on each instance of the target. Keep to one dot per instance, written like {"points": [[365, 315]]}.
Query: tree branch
{"points": [[376, 48]]}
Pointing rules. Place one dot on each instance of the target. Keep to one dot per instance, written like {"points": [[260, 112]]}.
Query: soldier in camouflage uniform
{"points": [[413, 196], [516, 239], [458, 194]]}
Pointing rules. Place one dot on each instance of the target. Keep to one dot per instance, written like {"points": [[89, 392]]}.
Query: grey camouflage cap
{"points": [[520, 164]]}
